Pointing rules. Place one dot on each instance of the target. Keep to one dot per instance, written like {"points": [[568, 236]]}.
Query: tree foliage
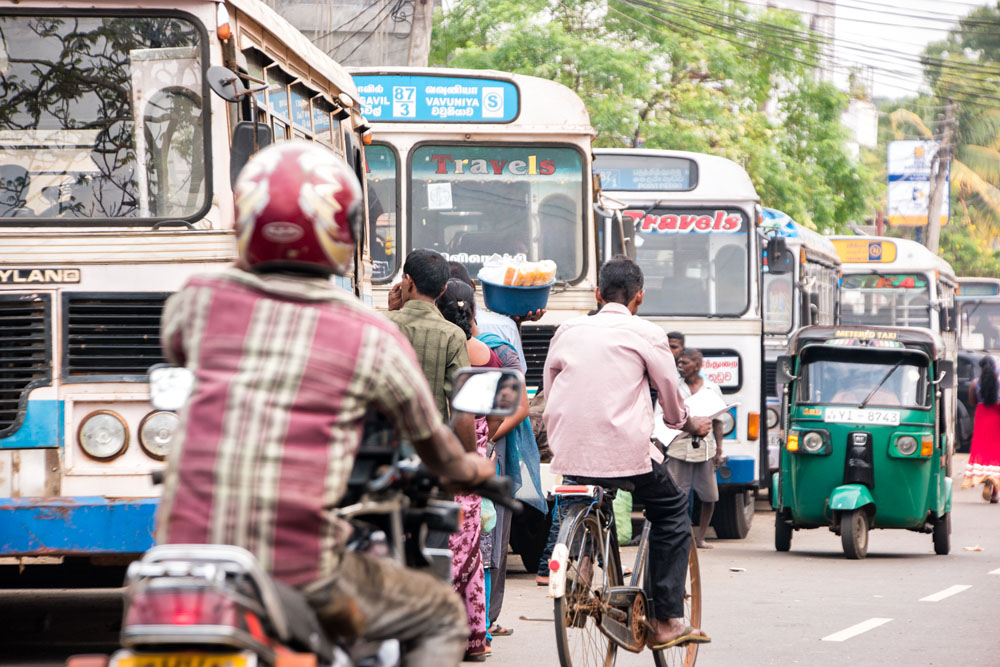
{"points": [[652, 75]]}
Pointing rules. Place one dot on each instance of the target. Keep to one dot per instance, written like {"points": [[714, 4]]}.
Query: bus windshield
{"points": [[850, 383], [897, 299], [101, 117], [981, 326], [525, 202], [695, 261]]}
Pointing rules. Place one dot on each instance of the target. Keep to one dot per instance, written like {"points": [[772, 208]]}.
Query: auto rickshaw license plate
{"points": [[861, 416], [185, 660]]}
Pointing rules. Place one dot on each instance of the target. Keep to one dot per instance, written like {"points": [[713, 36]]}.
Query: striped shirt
{"points": [[285, 369], [439, 344]]}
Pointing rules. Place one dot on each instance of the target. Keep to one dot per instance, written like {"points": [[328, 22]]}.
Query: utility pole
{"points": [[420, 33], [939, 173]]}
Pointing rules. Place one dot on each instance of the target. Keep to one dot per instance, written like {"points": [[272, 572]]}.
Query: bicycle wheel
{"points": [[685, 656], [589, 570]]}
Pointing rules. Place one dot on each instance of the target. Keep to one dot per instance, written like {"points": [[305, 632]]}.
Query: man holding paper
{"points": [[692, 461]]}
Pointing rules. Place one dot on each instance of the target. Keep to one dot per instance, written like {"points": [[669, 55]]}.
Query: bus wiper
{"points": [[881, 382]]}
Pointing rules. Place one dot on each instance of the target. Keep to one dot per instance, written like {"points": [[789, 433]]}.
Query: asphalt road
{"points": [[903, 605]]}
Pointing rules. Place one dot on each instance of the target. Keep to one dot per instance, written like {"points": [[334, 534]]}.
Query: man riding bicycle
{"points": [[286, 367], [599, 419]]}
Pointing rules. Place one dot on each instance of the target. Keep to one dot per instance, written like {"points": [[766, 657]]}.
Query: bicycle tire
{"points": [[685, 656], [579, 640]]}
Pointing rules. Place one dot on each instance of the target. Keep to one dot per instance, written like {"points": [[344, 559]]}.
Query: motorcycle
{"points": [[210, 605]]}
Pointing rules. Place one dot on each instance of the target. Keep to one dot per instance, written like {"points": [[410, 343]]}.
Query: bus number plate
{"points": [[859, 416]]}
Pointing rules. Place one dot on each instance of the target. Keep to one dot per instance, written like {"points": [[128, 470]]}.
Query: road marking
{"points": [[946, 593], [996, 571], [856, 630]]}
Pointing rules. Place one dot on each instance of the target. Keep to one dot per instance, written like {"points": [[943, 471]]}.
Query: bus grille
{"points": [[535, 339], [111, 336], [25, 354], [770, 386]]}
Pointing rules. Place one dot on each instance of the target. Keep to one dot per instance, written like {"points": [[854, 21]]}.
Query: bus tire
{"points": [[733, 514]]}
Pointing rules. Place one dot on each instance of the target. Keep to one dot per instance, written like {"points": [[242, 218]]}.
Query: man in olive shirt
{"points": [[439, 344]]}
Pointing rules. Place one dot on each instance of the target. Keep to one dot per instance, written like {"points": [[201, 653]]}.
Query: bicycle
{"points": [[595, 612]]}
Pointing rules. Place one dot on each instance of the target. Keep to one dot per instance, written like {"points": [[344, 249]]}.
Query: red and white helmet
{"points": [[299, 207]]}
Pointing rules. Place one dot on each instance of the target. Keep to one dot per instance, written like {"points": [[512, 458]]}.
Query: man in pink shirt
{"points": [[599, 419]]}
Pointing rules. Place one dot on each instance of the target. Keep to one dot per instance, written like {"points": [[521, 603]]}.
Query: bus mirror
{"points": [[626, 233], [946, 315], [783, 370], [225, 83], [779, 260], [945, 374], [243, 145]]}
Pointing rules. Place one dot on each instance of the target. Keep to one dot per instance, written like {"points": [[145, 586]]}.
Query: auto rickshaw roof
{"points": [[871, 337]]}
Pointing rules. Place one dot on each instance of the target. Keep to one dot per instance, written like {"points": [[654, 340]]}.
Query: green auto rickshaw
{"points": [[864, 413]]}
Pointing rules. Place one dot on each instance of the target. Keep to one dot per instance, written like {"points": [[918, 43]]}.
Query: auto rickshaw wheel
{"points": [[942, 535], [854, 533], [782, 533]]}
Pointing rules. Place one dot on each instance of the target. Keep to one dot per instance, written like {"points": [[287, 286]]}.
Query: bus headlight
{"points": [[156, 431], [103, 435], [772, 418], [906, 445], [812, 442], [728, 422]]}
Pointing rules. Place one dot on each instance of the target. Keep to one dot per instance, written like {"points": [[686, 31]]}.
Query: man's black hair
{"points": [[459, 272], [676, 335], [691, 353], [620, 280], [429, 271]]}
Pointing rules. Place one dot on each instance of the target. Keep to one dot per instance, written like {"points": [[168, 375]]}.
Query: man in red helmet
{"points": [[286, 367]]}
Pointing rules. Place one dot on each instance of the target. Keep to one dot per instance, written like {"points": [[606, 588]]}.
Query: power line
{"points": [[395, 8]]}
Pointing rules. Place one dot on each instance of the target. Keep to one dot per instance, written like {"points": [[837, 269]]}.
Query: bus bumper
{"points": [[75, 526], [737, 471]]}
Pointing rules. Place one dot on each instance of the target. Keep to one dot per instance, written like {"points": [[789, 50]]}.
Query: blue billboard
{"points": [[437, 99]]}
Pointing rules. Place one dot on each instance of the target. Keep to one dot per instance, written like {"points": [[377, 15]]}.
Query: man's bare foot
{"points": [[674, 632], [702, 544]]}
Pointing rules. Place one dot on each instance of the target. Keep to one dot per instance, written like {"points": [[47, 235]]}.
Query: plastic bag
{"points": [[623, 516], [488, 514]]}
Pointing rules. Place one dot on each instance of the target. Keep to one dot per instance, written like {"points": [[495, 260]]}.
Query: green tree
{"points": [[711, 77]]}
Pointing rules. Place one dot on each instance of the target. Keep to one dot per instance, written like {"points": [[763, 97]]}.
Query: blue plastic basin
{"points": [[515, 301]]}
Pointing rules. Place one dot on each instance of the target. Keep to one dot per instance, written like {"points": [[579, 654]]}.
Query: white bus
{"points": [[693, 219], [116, 164], [897, 283], [979, 306], [804, 291], [474, 163]]}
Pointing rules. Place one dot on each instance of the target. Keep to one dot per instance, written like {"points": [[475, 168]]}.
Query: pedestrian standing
{"points": [[984, 455], [692, 463]]}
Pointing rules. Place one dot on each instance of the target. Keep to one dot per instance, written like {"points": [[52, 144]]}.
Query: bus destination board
{"points": [[436, 99], [863, 251]]}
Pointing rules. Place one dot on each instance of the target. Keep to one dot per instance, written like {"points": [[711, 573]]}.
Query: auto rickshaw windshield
{"points": [[885, 379]]}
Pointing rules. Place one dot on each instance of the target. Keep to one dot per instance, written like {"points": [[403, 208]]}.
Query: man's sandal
{"points": [[498, 630], [689, 636]]}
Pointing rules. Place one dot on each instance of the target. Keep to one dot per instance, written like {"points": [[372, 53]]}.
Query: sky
{"points": [[890, 35]]}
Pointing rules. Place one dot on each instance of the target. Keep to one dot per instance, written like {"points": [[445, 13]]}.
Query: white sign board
{"points": [[723, 371], [908, 163], [910, 159], [908, 201]]}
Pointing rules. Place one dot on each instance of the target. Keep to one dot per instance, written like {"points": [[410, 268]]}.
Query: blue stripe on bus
{"points": [[741, 469], [75, 525], [42, 427]]}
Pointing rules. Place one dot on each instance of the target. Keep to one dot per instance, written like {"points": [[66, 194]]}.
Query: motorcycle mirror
{"points": [[169, 386], [487, 391]]}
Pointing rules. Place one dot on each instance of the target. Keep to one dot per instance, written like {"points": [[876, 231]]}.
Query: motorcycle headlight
{"points": [[728, 422], [772, 418], [103, 435], [812, 442], [155, 432], [906, 445]]}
